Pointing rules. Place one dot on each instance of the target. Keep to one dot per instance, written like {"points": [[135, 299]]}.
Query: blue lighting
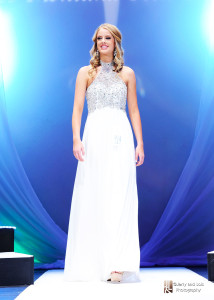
{"points": [[208, 24], [7, 49]]}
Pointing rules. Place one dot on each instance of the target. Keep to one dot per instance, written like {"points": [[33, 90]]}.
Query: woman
{"points": [[103, 240]]}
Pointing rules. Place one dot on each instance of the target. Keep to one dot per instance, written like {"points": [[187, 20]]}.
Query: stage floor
{"points": [[186, 284]]}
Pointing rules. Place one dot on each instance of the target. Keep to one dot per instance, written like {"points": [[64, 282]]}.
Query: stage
{"points": [[186, 284]]}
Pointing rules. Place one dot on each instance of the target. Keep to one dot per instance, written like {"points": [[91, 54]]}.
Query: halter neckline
{"points": [[106, 65]]}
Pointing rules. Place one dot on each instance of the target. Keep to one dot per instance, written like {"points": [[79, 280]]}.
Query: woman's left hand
{"points": [[139, 152]]}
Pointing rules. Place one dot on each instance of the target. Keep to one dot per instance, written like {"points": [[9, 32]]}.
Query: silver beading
{"points": [[107, 89]]}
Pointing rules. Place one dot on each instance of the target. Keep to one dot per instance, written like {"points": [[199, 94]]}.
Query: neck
{"points": [[106, 63], [106, 59]]}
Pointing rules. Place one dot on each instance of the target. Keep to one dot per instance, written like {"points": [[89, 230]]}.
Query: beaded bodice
{"points": [[107, 89]]}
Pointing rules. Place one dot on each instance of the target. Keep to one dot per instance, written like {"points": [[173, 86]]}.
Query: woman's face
{"points": [[105, 42]]}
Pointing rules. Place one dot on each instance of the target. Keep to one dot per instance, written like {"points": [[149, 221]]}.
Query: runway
{"points": [[185, 283]]}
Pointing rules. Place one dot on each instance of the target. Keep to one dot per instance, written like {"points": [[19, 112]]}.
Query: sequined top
{"points": [[107, 89]]}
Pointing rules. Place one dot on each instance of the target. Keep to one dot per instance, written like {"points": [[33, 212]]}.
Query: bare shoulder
{"points": [[82, 75], [128, 75], [84, 70], [129, 72]]}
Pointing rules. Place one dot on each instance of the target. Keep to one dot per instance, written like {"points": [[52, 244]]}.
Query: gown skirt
{"points": [[103, 227]]}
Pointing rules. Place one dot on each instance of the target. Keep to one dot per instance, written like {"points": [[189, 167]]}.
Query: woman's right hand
{"points": [[78, 149]]}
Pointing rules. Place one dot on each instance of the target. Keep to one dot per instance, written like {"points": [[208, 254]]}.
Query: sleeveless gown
{"points": [[103, 226]]}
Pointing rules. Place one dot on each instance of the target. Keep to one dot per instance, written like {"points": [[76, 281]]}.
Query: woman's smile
{"points": [[104, 47]]}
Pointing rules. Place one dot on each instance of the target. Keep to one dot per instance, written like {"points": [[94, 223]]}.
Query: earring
{"points": [[115, 52], [97, 53]]}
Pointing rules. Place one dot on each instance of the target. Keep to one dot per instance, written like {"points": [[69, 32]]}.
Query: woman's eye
{"points": [[108, 38]]}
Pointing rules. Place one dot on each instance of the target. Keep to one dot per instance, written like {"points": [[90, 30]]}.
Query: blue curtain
{"points": [[35, 233], [185, 231]]}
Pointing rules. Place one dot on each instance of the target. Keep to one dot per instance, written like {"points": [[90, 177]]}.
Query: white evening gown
{"points": [[103, 227]]}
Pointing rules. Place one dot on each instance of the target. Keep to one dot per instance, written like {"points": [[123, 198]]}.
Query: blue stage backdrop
{"points": [[170, 46]]}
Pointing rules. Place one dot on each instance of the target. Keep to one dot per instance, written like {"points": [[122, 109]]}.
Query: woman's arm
{"points": [[79, 98], [135, 115]]}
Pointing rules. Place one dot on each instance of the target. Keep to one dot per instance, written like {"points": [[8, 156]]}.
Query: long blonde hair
{"points": [[118, 59]]}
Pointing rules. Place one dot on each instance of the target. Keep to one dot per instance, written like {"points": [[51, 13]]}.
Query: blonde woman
{"points": [[103, 240]]}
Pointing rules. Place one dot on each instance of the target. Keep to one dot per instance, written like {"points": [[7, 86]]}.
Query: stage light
{"points": [[208, 24], [7, 54]]}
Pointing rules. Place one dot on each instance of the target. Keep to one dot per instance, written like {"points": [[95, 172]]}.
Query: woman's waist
{"points": [[108, 110], [108, 117]]}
